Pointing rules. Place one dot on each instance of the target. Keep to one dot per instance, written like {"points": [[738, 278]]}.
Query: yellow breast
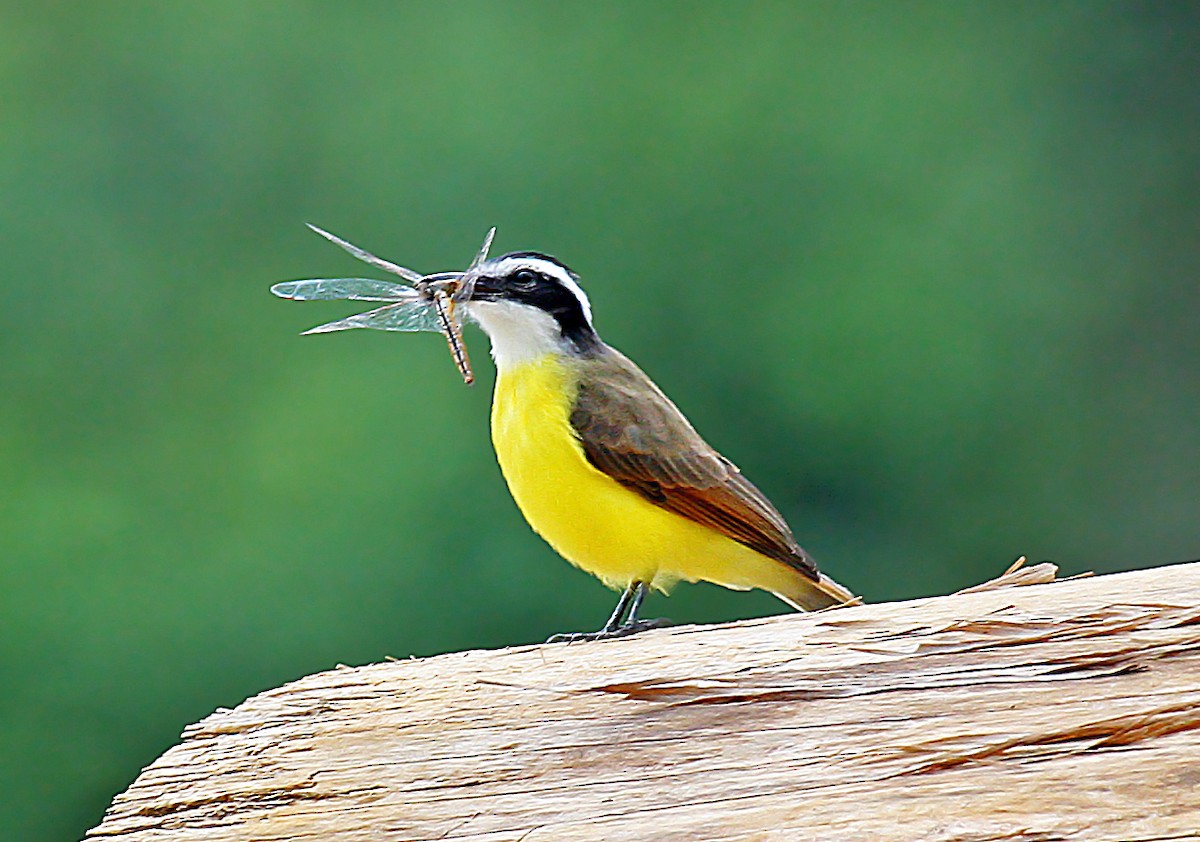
{"points": [[590, 519]]}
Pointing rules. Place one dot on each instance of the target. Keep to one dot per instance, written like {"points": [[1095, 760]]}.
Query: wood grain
{"points": [[1064, 711]]}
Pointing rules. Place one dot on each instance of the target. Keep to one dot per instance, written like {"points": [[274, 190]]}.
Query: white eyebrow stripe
{"points": [[508, 265]]}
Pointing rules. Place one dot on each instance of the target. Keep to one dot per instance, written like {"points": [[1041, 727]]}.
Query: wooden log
{"points": [[1051, 712]]}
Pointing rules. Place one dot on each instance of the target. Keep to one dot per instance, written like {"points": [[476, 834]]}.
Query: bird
{"points": [[607, 469]]}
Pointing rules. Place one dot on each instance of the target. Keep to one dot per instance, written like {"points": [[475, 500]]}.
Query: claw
{"points": [[610, 634], [618, 625]]}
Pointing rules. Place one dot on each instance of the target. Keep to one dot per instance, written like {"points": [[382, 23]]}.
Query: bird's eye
{"points": [[526, 278]]}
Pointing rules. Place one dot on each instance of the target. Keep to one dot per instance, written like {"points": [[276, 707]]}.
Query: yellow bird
{"points": [[605, 467]]}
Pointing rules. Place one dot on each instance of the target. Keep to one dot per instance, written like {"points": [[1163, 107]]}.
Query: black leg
{"points": [[639, 596], [632, 599], [632, 624], [614, 622]]}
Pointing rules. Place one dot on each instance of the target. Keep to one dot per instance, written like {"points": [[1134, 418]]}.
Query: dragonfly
{"points": [[420, 303]]}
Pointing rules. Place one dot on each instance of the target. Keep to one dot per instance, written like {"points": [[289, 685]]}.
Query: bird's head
{"points": [[529, 304]]}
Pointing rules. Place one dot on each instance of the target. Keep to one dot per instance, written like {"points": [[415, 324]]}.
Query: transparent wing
{"points": [[367, 257], [466, 284], [417, 314], [338, 289], [482, 254]]}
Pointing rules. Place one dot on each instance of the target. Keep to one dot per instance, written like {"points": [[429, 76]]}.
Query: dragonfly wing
{"points": [[482, 254], [338, 289], [467, 283], [367, 257], [416, 314]]}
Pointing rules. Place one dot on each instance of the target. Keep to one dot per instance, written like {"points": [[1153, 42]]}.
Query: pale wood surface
{"points": [[1065, 711]]}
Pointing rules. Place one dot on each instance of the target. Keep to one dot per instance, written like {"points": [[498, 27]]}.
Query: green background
{"points": [[927, 272]]}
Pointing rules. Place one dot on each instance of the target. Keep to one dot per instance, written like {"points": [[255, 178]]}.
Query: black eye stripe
{"points": [[525, 284], [528, 286]]}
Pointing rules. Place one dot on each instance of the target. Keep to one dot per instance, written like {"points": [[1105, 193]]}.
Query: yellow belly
{"points": [[591, 520]]}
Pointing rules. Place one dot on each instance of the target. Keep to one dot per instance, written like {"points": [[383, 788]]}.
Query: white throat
{"points": [[519, 333]]}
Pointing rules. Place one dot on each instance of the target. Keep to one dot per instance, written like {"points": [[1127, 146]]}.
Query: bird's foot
{"points": [[608, 633]]}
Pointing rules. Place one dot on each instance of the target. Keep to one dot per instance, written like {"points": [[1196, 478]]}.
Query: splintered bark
{"points": [[1064, 711]]}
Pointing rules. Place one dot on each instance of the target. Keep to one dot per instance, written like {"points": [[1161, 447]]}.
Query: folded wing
{"points": [[631, 431]]}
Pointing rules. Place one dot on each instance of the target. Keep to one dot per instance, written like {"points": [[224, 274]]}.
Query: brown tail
{"points": [[804, 594]]}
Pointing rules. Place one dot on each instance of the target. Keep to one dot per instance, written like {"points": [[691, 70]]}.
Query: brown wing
{"points": [[631, 431]]}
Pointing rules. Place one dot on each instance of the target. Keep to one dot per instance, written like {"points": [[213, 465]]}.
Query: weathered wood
{"points": [[1060, 711]]}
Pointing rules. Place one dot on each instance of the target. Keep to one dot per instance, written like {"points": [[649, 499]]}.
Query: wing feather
{"points": [[633, 432]]}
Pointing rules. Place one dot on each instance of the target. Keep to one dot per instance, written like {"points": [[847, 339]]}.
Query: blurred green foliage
{"points": [[926, 271]]}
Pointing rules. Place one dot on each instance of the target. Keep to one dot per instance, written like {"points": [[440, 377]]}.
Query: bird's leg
{"points": [[631, 599], [631, 592], [632, 624], [611, 628]]}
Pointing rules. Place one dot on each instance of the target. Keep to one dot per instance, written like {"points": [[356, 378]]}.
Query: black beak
{"points": [[480, 288]]}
